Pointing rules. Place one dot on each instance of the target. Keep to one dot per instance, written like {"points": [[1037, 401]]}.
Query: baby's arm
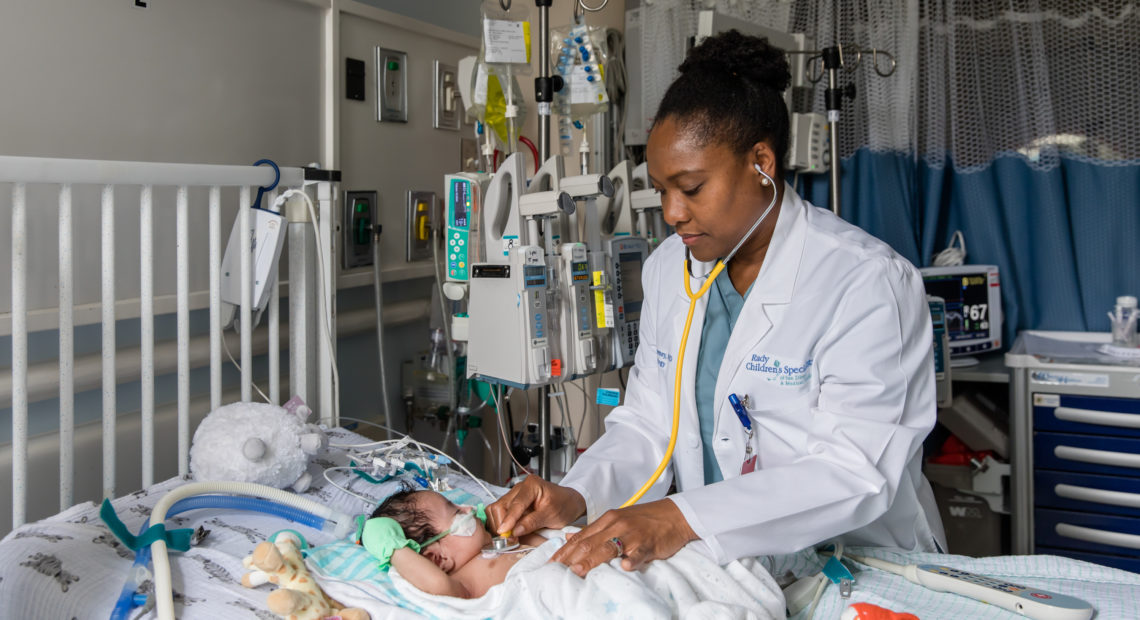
{"points": [[425, 575]]}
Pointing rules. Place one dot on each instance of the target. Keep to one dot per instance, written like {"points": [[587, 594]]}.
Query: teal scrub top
{"points": [[720, 317]]}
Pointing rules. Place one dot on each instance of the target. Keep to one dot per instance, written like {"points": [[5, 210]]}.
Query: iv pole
{"points": [[544, 89], [832, 59]]}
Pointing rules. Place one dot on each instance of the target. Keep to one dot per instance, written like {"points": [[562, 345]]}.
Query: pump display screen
{"points": [[534, 276], [967, 304], [461, 203], [632, 294], [580, 272]]}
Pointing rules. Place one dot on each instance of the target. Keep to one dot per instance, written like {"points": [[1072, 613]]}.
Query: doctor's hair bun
{"points": [[730, 92], [742, 56]]}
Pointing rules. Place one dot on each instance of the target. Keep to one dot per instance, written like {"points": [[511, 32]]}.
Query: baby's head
{"points": [[424, 515]]}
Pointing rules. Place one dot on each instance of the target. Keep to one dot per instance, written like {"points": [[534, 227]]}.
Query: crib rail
{"points": [[310, 362]]}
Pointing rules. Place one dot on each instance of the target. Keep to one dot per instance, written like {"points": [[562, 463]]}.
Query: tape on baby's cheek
{"points": [[463, 524]]}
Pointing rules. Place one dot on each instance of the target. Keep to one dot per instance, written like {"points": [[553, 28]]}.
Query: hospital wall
{"points": [[224, 82]]}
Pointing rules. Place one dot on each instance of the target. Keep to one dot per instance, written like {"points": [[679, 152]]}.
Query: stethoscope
{"points": [[710, 278]]}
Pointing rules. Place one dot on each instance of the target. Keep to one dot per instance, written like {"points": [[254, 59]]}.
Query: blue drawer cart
{"points": [[1076, 457]]}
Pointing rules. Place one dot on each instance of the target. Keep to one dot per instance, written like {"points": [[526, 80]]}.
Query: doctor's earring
{"points": [[767, 180]]}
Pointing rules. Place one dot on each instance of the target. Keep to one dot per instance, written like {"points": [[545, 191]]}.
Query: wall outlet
{"points": [[446, 104], [468, 155]]}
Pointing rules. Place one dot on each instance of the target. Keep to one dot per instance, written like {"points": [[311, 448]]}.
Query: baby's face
{"points": [[450, 552]]}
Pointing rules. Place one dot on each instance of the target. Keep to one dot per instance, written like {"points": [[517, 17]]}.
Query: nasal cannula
{"points": [[685, 335]]}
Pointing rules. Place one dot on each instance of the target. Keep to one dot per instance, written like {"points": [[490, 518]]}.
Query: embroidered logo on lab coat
{"points": [[784, 373], [663, 358]]}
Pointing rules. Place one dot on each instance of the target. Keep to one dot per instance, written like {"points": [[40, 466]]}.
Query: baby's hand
{"points": [[382, 537]]}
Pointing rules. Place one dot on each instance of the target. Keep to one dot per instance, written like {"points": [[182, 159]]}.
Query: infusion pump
{"points": [[514, 347], [626, 256]]}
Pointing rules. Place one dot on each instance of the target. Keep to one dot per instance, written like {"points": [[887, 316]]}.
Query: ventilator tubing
{"points": [[677, 379], [164, 596], [126, 600]]}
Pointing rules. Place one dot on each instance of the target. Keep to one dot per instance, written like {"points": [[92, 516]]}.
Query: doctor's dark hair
{"points": [[730, 92], [402, 507]]}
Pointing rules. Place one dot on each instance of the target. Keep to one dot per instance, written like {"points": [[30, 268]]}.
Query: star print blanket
{"points": [[688, 585]]}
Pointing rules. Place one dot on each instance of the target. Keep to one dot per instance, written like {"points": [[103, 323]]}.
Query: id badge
{"points": [[749, 465]]}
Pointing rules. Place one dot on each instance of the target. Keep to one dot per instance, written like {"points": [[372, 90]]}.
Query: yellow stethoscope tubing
{"points": [[677, 380]]}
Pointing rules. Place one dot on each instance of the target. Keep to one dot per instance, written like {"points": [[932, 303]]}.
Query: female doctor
{"points": [[819, 331]]}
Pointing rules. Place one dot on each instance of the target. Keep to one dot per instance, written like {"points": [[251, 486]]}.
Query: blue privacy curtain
{"points": [[1066, 240]]}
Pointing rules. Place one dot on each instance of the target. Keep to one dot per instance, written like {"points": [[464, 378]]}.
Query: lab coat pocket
{"points": [[782, 429]]}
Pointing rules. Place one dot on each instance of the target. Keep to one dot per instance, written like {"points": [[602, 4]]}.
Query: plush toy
{"points": [[297, 597], [257, 442]]}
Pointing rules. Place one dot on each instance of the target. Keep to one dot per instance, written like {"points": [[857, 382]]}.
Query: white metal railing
{"points": [[22, 172]]}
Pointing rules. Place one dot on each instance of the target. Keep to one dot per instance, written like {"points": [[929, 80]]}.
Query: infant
{"points": [[438, 546]]}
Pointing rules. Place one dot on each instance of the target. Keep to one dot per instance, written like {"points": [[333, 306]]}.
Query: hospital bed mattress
{"points": [[71, 566]]}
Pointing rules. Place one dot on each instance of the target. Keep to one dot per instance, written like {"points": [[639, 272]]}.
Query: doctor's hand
{"points": [[534, 504], [647, 532]]}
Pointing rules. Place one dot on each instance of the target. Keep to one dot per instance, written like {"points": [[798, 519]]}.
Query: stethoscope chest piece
{"points": [[501, 544]]}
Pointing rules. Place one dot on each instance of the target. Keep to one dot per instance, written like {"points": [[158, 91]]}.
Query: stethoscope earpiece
{"points": [[767, 179]]}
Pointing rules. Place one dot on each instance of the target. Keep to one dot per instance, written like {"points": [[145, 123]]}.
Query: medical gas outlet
{"points": [[360, 215]]}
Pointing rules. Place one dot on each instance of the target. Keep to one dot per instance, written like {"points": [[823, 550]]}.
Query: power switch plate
{"points": [[446, 104], [361, 213], [421, 216], [355, 76], [391, 86]]}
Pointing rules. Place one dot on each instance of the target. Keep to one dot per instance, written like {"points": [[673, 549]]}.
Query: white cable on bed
{"points": [[164, 594], [421, 446], [367, 500], [371, 423]]}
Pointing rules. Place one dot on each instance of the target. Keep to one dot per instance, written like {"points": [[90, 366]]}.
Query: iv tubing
{"points": [[378, 298], [164, 595], [124, 605]]}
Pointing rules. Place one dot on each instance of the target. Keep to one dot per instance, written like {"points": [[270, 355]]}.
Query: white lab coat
{"points": [[833, 349]]}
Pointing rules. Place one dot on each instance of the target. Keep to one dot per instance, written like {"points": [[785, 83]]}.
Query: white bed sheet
{"points": [[71, 566]]}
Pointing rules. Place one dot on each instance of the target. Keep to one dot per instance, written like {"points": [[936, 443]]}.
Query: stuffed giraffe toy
{"points": [[298, 597]]}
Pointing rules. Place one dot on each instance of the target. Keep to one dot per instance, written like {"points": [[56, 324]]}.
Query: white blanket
{"points": [[688, 585]]}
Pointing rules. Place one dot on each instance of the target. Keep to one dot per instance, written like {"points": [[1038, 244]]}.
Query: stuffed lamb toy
{"points": [[257, 442]]}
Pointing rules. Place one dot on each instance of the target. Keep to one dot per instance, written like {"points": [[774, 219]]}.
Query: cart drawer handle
{"points": [[1098, 457], [1103, 418], [1088, 534], [1100, 496]]}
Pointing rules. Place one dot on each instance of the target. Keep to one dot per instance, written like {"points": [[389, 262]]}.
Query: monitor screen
{"points": [[462, 203], [973, 316], [632, 294], [967, 304]]}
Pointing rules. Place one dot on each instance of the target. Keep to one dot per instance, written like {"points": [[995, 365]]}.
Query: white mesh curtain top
{"points": [[975, 80]]}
